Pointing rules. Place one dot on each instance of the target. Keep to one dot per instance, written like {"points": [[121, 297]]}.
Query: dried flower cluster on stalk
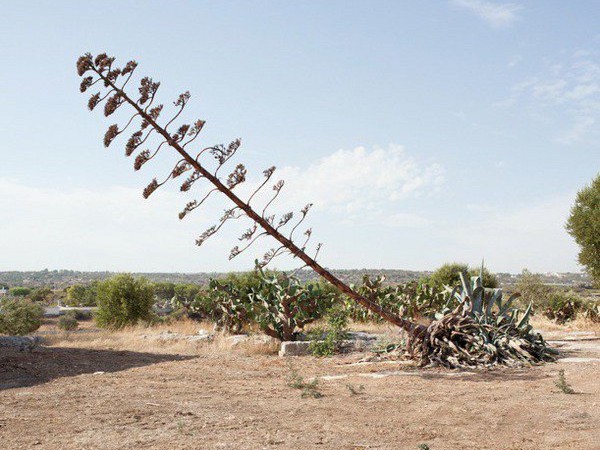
{"points": [[143, 125]]}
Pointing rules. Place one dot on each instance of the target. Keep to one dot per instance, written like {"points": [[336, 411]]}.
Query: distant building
{"points": [[3, 291]]}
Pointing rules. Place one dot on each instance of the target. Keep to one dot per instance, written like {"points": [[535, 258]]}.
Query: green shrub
{"points": [[82, 294], [41, 294], [82, 315], [328, 341], [164, 291], [190, 298], [176, 314], [449, 275], [186, 293], [68, 322], [19, 291], [124, 300], [534, 291], [19, 316]]}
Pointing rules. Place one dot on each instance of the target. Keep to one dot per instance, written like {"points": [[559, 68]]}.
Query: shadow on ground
{"points": [[22, 369]]}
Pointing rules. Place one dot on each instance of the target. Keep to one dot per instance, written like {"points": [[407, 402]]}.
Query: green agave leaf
{"points": [[524, 320], [465, 285], [494, 298], [477, 300], [505, 308]]}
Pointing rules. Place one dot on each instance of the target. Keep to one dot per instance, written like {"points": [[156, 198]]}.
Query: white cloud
{"points": [[93, 229], [495, 14], [569, 89], [360, 179], [578, 130], [114, 228]]}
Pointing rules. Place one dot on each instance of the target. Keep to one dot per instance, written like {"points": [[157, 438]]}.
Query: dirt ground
{"points": [[91, 392]]}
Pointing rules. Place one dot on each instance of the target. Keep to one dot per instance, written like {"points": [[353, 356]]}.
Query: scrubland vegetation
{"points": [[279, 305], [153, 384]]}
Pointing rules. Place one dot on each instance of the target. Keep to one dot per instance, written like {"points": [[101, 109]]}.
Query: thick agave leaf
{"points": [[477, 299], [466, 286], [504, 309], [525, 319], [494, 299]]}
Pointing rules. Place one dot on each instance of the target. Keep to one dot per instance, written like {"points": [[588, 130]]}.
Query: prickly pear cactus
{"points": [[283, 305], [234, 308]]}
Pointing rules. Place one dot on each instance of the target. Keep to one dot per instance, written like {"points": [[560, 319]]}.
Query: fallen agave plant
{"points": [[481, 331], [470, 335]]}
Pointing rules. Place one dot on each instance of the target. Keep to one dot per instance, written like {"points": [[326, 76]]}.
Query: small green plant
{"points": [[562, 384], [41, 294], [384, 346], [309, 388], [68, 322], [328, 341], [423, 447], [449, 275], [19, 316], [83, 315], [356, 390]]}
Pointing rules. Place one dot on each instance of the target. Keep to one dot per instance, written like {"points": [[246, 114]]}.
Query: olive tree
{"points": [[124, 300], [19, 316], [584, 225]]}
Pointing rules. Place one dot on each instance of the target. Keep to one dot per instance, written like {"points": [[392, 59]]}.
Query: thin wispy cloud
{"points": [[362, 179], [569, 88], [112, 227], [496, 14]]}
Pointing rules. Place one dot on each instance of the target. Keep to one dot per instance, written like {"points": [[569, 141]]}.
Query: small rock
{"points": [[21, 342], [361, 336], [237, 339], [294, 348], [199, 338]]}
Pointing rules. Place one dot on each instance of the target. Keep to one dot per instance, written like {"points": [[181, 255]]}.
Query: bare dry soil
{"points": [[66, 396]]}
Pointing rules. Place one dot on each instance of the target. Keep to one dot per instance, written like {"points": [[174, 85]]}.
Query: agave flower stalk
{"points": [[114, 80]]}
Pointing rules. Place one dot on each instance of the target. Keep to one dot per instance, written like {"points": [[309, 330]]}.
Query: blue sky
{"points": [[424, 132]]}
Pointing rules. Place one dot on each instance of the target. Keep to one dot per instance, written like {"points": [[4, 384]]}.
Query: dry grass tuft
{"points": [[145, 338], [579, 324]]}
